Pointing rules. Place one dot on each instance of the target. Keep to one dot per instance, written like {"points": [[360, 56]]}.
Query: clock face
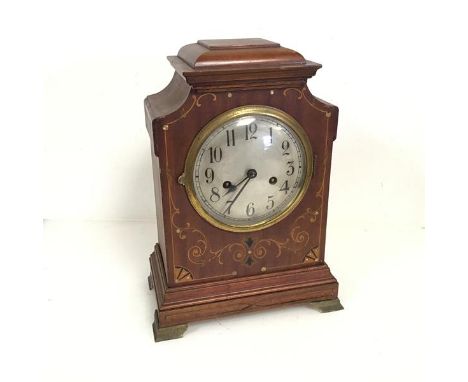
{"points": [[248, 168]]}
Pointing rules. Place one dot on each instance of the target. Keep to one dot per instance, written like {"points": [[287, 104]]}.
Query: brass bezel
{"points": [[221, 120]]}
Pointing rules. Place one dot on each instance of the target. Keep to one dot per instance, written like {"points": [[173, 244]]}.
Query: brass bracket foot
{"points": [[168, 333], [327, 305]]}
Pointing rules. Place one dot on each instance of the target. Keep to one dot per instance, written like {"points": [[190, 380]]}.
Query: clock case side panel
{"points": [[157, 107], [332, 114]]}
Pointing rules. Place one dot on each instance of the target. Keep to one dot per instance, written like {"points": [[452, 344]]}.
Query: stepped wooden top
{"points": [[240, 59]]}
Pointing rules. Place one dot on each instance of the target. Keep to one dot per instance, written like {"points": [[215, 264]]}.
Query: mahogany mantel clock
{"points": [[241, 163]]}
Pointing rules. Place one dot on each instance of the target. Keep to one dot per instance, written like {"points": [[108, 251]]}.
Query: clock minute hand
{"points": [[250, 175], [237, 195]]}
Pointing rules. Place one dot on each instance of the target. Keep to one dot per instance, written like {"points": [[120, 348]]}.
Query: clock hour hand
{"points": [[250, 175], [233, 187], [230, 187]]}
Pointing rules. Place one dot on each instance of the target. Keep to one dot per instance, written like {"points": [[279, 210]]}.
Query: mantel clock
{"points": [[241, 154]]}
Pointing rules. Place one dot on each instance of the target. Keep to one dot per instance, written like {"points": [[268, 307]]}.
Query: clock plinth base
{"points": [[193, 301], [327, 306]]}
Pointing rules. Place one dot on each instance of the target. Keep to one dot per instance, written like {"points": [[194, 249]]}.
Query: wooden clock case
{"points": [[199, 271]]}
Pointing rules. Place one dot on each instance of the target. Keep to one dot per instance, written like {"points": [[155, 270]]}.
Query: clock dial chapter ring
{"points": [[248, 168]]}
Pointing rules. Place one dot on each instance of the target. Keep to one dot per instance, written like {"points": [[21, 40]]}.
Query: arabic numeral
{"points": [[216, 154], [285, 146], [271, 202], [290, 170], [250, 131], [230, 137], [250, 210], [285, 187], [209, 174], [228, 210], [214, 197]]}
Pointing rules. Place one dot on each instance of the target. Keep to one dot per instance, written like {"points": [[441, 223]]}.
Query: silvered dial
{"points": [[249, 170]]}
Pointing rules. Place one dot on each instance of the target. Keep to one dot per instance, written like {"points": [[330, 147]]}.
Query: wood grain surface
{"points": [[195, 263]]}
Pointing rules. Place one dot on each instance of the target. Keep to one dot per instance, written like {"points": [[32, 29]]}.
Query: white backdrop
{"points": [[100, 59]]}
